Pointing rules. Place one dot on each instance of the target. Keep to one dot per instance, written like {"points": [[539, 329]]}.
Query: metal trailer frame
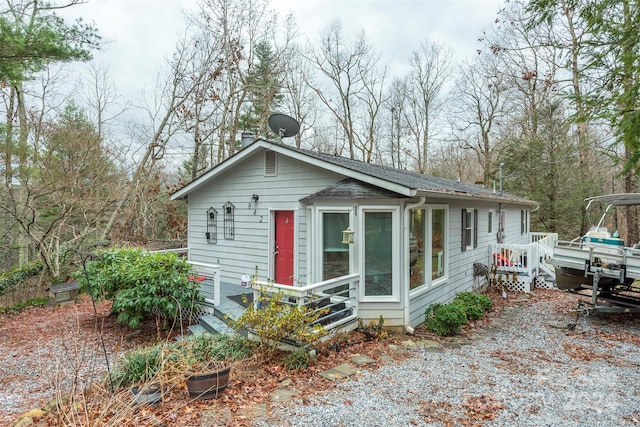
{"points": [[612, 271]]}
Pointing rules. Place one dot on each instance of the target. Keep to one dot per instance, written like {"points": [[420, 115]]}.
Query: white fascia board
{"points": [[458, 196]]}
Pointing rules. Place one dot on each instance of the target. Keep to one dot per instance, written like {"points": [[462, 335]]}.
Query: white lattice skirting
{"points": [[541, 283], [515, 283]]}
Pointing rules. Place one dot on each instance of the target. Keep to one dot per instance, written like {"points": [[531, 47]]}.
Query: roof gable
{"points": [[402, 182]]}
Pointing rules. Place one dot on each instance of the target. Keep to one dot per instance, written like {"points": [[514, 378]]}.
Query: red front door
{"points": [[283, 247]]}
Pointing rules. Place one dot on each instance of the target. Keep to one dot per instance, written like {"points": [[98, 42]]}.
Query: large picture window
{"points": [[427, 246], [378, 253], [335, 254]]}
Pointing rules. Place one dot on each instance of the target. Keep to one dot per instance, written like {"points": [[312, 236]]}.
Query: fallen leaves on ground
{"points": [[484, 407], [27, 338]]}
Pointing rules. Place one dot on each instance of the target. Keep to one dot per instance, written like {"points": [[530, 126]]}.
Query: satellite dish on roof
{"points": [[283, 125]]}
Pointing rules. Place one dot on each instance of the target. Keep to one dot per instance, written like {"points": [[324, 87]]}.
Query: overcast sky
{"points": [[143, 33]]}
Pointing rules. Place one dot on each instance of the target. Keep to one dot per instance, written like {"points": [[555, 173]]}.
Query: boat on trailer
{"points": [[599, 264]]}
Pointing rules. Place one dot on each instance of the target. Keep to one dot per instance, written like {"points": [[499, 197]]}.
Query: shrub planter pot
{"points": [[150, 394], [208, 383]]}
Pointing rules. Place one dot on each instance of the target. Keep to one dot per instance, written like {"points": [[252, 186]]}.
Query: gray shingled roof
{"points": [[352, 189], [423, 185], [414, 180]]}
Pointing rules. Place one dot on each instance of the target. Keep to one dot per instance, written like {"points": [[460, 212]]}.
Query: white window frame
{"points": [[469, 224], [502, 223], [318, 250], [428, 261], [395, 253], [445, 244], [491, 219], [524, 222]]}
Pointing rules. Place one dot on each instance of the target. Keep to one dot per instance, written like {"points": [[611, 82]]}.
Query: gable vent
{"points": [[270, 163]]}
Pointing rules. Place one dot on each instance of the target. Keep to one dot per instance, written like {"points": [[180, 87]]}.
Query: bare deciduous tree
{"points": [[351, 85], [479, 110], [431, 68]]}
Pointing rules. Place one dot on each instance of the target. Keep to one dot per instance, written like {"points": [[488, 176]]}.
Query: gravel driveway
{"points": [[525, 369], [46, 351], [528, 369]]}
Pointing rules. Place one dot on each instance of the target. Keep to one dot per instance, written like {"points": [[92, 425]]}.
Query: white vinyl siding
{"points": [[251, 243]]}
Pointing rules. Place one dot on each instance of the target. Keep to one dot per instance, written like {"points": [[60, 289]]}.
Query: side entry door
{"points": [[283, 247]]}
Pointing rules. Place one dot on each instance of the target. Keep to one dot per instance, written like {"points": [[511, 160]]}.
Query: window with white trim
{"points": [[428, 246], [501, 223], [524, 221], [438, 250], [469, 229], [335, 254], [380, 248]]}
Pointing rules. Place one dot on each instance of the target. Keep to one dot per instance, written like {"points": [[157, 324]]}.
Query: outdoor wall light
{"points": [[254, 202], [348, 237]]}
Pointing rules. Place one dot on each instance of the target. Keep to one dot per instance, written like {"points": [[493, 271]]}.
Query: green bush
{"points": [[445, 319], [139, 282], [10, 279], [473, 304]]}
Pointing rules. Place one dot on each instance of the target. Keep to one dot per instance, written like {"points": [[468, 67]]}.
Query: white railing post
{"points": [[216, 288], [210, 272]]}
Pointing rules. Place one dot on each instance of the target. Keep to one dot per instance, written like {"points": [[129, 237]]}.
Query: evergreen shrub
{"points": [[445, 319], [474, 304]]}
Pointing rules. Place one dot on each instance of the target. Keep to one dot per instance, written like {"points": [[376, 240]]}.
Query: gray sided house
{"points": [[287, 212]]}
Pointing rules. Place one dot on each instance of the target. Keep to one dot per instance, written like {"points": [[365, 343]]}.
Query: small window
{"points": [[490, 221], [469, 229], [524, 219], [270, 163]]}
